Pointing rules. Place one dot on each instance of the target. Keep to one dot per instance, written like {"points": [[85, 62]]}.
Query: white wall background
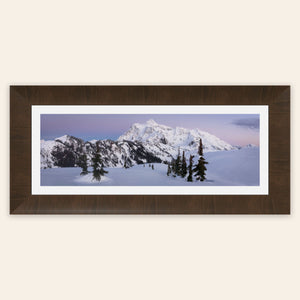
{"points": [[149, 257]]}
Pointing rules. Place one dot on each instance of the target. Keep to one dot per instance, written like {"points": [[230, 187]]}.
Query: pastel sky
{"points": [[236, 129]]}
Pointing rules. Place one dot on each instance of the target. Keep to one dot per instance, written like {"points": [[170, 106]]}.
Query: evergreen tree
{"points": [[169, 170], [200, 169], [190, 177], [178, 164], [97, 165], [126, 165], [83, 164], [183, 166], [173, 167], [200, 149]]}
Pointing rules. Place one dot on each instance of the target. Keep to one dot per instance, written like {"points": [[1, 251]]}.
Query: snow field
{"points": [[225, 168]]}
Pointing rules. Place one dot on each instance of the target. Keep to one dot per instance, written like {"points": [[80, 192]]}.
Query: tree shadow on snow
{"points": [[208, 180]]}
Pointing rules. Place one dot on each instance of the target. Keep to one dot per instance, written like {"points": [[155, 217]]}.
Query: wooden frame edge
{"points": [[27, 204]]}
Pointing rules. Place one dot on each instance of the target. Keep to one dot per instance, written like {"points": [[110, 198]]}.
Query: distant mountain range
{"points": [[142, 143]]}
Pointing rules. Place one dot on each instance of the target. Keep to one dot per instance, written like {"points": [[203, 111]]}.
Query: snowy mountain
{"points": [[65, 152], [61, 152], [250, 146], [170, 139], [142, 143]]}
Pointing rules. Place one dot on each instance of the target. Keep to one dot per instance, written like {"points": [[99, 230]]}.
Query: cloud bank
{"points": [[251, 123]]}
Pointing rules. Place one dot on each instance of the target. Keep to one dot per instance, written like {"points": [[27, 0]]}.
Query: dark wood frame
{"points": [[277, 97]]}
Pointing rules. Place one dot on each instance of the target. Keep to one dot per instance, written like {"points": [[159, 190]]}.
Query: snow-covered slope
{"points": [[225, 168], [63, 148], [65, 152], [170, 139]]}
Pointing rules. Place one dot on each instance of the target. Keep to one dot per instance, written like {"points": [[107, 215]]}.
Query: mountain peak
{"points": [[151, 122], [63, 138], [169, 138], [250, 146]]}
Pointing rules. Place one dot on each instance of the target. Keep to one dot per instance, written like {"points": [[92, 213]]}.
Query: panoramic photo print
{"points": [[150, 150]]}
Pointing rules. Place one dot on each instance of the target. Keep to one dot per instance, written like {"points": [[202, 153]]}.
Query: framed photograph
{"points": [[150, 150]]}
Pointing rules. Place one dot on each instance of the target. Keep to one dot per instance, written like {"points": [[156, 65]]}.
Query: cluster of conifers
{"points": [[178, 166], [97, 165]]}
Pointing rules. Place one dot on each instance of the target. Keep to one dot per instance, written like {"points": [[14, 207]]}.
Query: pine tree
{"points": [[190, 177], [169, 170], [173, 167], [183, 166], [97, 165], [200, 169], [178, 164], [200, 149], [83, 164], [126, 166]]}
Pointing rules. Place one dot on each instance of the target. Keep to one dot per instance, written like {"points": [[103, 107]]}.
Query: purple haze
{"points": [[236, 129]]}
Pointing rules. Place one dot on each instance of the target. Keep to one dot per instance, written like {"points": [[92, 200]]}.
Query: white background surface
{"points": [[37, 189], [149, 257]]}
